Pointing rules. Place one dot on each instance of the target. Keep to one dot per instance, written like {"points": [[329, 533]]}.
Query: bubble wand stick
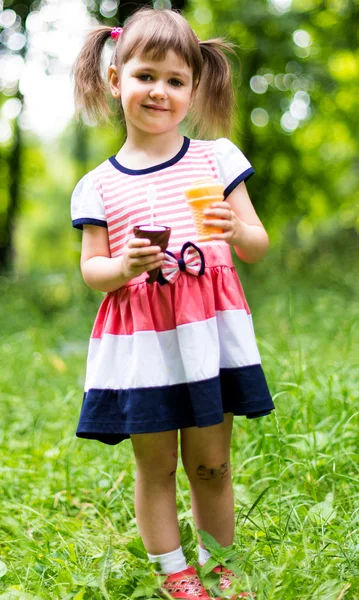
{"points": [[151, 199]]}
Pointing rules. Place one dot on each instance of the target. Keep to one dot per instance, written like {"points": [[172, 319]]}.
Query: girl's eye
{"points": [[176, 82], [144, 77]]}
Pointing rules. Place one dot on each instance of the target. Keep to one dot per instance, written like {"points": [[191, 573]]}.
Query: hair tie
{"points": [[116, 32]]}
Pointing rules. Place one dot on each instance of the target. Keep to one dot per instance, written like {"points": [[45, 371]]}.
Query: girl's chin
{"points": [[152, 126], [157, 129]]}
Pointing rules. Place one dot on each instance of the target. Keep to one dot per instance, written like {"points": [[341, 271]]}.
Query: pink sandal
{"points": [[185, 584], [226, 580]]}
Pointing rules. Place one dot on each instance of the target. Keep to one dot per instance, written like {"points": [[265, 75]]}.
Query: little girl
{"points": [[178, 354]]}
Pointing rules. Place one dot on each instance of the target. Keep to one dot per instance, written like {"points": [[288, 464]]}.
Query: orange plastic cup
{"points": [[199, 197]]}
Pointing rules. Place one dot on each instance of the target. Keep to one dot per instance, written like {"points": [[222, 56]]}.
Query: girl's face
{"points": [[155, 95]]}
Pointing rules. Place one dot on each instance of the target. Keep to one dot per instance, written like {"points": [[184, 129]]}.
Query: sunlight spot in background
{"points": [[288, 122], [299, 107], [35, 23], [280, 6], [162, 4], [15, 41], [39, 64], [203, 15], [7, 18], [302, 38], [11, 108], [303, 42], [47, 113], [259, 117], [11, 67], [108, 8], [259, 84], [299, 110]]}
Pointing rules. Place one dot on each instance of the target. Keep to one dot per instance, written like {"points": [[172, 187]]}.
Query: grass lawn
{"points": [[67, 525]]}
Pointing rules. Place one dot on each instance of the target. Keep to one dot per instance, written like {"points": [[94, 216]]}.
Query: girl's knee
{"points": [[157, 466], [156, 455], [214, 474]]}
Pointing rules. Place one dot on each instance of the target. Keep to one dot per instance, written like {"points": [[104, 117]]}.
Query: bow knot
{"points": [[191, 260], [181, 264]]}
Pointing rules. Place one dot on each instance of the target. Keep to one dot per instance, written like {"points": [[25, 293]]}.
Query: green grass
{"points": [[67, 525]]}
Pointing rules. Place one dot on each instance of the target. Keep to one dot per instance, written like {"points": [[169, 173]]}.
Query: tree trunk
{"points": [[7, 233]]}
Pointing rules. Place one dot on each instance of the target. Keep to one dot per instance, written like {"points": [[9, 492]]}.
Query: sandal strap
{"points": [[185, 584], [226, 580]]}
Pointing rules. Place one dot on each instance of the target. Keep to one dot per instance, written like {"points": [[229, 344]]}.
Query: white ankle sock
{"points": [[203, 555], [172, 562]]}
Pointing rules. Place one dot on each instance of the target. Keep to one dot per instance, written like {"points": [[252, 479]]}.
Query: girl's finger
{"points": [[146, 251], [219, 212], [221, 223], [147, 260], [149, 267], [221, 205], [138, 242]]}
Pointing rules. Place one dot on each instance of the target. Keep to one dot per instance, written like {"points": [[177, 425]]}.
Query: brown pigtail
{"points": [[90, 88], [214, 99]]}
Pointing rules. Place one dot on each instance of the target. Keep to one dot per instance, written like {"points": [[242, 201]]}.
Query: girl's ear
{"points": [[114, 81]]}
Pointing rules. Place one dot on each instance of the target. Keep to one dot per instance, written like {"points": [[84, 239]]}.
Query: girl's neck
{"points": [[147, 150]]}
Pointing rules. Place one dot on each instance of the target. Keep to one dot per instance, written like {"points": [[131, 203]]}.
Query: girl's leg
{"points": [[155, 490], [206, 459]]}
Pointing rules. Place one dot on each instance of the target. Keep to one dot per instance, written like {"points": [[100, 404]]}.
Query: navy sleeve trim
{"points": [[242, 177], [78, 223]]}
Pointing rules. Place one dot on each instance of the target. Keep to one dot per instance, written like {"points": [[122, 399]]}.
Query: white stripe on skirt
{"points": [[190, 353]]}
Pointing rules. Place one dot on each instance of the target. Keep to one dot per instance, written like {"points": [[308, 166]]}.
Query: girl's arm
{"points": [[106, 274], [241, 225]]}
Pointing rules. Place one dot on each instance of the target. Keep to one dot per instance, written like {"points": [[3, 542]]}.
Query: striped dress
{"points": [[180, 352]]}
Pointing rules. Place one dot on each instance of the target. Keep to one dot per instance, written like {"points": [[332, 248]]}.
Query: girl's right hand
{"points": [[139, 256]]}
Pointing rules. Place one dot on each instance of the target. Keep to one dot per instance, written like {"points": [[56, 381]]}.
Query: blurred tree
{"points": [[298, 115], [12, 42]]}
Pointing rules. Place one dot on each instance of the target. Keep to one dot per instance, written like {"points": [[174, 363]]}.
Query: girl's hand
{"points": [[240, 223], [139, 256], [225, 219]]}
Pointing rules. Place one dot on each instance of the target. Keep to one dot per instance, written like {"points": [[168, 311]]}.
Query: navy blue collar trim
{"points": [[168, 163]]}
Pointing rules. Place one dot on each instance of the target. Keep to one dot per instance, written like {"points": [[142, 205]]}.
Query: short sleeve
{"points": [[87, 205], [233, 166]]}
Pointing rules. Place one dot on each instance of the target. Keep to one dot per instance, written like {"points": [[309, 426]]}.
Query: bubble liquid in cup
{"points": [[159, 236], [199, 196]]}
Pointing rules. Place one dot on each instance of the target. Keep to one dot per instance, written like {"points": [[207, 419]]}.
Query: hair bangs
{"points": [[153, 37]]}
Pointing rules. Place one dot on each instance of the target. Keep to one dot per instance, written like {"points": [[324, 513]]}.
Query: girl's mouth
{"points": [[155, 107]]}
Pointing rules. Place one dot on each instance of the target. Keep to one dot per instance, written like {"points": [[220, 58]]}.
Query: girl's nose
{"points": [[158, 90]]}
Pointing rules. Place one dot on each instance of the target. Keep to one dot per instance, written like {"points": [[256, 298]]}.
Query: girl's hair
{"points": [[151, 33]]}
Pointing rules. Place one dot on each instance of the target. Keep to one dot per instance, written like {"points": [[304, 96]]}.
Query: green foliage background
{"points": [[310, 177]]}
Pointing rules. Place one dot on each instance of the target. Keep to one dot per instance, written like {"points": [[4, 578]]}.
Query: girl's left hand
{"points": [[222, 216]]}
